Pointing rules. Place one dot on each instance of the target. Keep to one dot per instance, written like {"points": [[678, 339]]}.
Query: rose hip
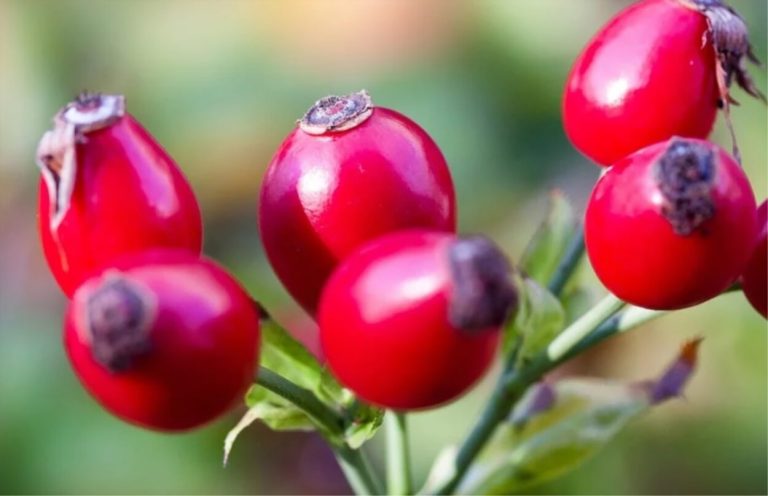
{"points": [[348, 173], [672, 225], [163, 339], [108, 188], [412, 319]]}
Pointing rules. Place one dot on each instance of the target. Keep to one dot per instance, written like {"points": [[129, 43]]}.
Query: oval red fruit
{"points": [[107, 189], [652, 73], [755, 279], [672, 225], [347, 174], [163, 339], [412, 319]]}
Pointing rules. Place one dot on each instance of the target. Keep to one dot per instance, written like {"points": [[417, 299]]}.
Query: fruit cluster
{"points": [[673, 221], [159, 335], [166, 339], [357, 216]]}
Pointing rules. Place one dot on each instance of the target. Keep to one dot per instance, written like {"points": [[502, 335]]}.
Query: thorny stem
{"points": [[353, 462], [398, 455]]}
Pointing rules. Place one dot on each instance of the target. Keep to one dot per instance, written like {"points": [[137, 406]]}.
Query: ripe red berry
{"points": [[672, 225], [108, 188], [163, 339], [348, 173], [755, 279], [412, 319], [656, 70]]}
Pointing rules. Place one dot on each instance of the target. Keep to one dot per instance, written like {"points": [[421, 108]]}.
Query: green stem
{"points": [[398, 457], [302, 398], [353, 462], [513, 383], [628, 319], [357, 470], [568, 263], [587, 323]]}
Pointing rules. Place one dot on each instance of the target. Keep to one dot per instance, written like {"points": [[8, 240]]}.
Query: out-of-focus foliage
{"points": [[220, 83]]}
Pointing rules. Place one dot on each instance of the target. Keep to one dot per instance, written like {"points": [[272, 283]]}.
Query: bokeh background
{"points": [[220, 83]]}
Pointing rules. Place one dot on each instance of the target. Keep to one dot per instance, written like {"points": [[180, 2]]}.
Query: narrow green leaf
{"points": [[539, 319], [550, 241], [556, 427]]}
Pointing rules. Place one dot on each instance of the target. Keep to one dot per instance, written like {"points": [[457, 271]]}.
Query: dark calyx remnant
{"points": [[483, 293], [337, 113], [685, 174], [119, 320]]}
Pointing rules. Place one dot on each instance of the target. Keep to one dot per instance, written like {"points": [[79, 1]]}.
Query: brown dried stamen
{"points": [[337, 113], [730, 40], [119, 317], [88, 100], [483, 295], [684, 175]]}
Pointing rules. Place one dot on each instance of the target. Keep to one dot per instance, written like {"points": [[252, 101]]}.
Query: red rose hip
{"points": [[672, 225], [347, 174], [412, 319], [754, 281], [658, 69], [108, 188], [163, 339]]}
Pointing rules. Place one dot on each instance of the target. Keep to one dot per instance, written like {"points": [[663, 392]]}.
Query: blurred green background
{"points": [[220, 83]]}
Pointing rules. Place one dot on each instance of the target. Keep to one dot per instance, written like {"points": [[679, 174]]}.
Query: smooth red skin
{"points": [[129, 196], [205, 345], [324, 196], [384, 328], [649, 74], [636, 253], [755, 279]]}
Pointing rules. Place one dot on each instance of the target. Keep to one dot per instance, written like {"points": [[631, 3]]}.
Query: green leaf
{"points": [[556, 427], [284, 355], [576, 301], [539, 319], [550, 241], [364, 421], [274, 411]]}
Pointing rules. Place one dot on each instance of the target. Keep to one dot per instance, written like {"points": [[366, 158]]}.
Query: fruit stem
{"points": [[353, 462], [398, 455], [585, 324], [568, 263], [514, 382], [357, 469], [598, 324]]}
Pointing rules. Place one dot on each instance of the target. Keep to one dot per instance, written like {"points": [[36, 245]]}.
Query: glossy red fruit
{"points": [[163, 339], [672, 225], [653, 72], [755, 279], [347, 174], [108, 188], [412, 319]]}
